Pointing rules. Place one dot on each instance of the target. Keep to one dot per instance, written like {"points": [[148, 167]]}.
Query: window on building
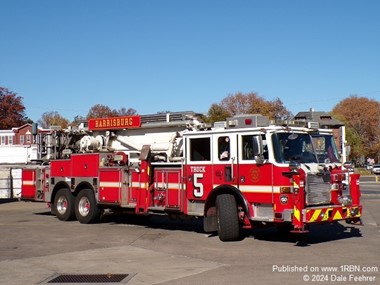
{"points": [[2, 140], [10, 139], [28, 139], [22, 139]]}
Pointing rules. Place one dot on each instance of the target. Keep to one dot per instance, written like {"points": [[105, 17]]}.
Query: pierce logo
{"points": [[284, 199]]}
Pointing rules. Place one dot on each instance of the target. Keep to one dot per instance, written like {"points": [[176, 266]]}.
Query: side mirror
{"points": [[257, 148]]}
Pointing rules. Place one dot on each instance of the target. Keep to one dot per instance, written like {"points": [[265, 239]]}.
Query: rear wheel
{"points": [[63, 206], [86, 210], [228, 221]]}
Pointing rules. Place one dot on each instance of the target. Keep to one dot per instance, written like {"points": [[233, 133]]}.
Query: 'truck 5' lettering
{"points": [[198, 186]]}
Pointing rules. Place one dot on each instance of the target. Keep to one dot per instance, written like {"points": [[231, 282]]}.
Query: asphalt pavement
{"points": [[36, 248]]}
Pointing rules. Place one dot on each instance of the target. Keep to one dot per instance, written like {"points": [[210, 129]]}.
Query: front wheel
{"points": [[228, 220], [86, 210], [63, 206]]}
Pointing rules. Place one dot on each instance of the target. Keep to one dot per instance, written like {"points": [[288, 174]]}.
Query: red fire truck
{"points": [[237, 174]]}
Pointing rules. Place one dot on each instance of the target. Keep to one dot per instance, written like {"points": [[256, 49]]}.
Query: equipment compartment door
{"points": [[28, 190], [168, 188], [111, 183], [34, 184]]}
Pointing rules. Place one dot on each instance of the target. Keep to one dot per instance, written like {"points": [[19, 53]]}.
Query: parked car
{"points": [[375, 169]]}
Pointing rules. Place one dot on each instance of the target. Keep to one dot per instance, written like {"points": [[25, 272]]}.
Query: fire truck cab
{"points": [[240, 173]]}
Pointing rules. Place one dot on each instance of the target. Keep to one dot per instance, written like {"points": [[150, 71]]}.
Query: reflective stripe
{"points": [[322, 215], [315, 216], [337, 216], [259, 189], [171, 186], [109, 184], [135, 184], [297, 214], [256, 188]]}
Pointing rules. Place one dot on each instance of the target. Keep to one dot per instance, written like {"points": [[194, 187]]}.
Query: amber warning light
{"points": [[113, 123]]}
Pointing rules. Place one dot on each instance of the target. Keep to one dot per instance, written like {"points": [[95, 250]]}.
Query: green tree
{"points": [[12, 110]]}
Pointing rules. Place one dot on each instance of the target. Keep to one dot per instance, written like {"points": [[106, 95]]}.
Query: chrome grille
{"points": [[317, 190]]}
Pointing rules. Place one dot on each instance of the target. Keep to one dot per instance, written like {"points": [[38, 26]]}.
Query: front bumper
{"points": [[331, 214]]}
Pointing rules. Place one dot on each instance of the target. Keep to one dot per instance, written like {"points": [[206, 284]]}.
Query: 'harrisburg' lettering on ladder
{"points": [[114, 123]]}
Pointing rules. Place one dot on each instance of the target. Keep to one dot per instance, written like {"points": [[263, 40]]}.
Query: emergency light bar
{"points": [[250, 120]]}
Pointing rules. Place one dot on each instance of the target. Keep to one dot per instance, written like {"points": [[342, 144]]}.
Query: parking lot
{"points": [[36, 246]]}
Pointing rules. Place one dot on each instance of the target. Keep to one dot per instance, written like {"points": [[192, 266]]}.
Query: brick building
{"points": [[17, 136], [20, 136], [18, 145]]}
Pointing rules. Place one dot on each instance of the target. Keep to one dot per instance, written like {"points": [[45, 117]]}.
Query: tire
{"points": [[86, 210], [227, 216], [63, 206]]}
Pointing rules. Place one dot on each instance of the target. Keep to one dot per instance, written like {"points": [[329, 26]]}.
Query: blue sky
{"points": [[178, 55]]}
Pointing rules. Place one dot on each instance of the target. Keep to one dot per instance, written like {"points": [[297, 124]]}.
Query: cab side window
{"points": [[247, 147], [200, 149], [224, 148]]}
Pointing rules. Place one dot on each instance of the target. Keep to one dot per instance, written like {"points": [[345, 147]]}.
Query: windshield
{"points": [[325, 148], [293, 147]]}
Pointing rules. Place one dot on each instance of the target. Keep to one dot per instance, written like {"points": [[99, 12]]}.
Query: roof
{"points": [[323, 118], [27, 125], [16, 129]]}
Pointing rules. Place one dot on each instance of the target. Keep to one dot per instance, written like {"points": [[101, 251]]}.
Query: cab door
{"points": [[225, 160], [198, 171], [255, 179]]}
